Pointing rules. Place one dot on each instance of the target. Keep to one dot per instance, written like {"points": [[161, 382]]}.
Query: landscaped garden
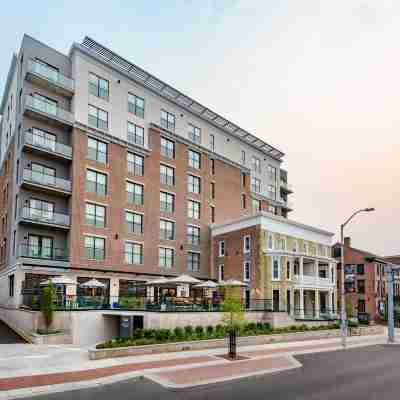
{"points": [[143, 337]]}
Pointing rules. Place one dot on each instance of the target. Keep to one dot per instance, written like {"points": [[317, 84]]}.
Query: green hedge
{"points": [[143, 337]]}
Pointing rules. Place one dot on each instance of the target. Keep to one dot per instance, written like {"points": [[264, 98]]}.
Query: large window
{"points": [[167, 202], [135, 192], [98, 118], [271, 192], [135, 134], [95, 215], [193, 235], [271, 173], [134, 222], [255, 185], [256, 204], [193, 209], [97, 150], [135, 164], [98, 86], [136, 105], [165, 257], [39, 209], [167, 175], [96, 182], [42, 174], [167, 229], [193, 261], [194, 184], [95, 247], [194, 133], [275, 268], [194, 159], [167, 148], [133, 253], [43, 139], [40, 247], [256, 164], [167, 120], [360, 269]]}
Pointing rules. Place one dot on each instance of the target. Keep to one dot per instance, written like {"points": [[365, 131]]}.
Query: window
{"points": [[212, 142], [271, 172], [212, 190], [133, 253], [194, 159], [40, 247], [256, 185], [167, 120], [45, 104], [243, 157], [194, 133], [270, 242], [11, 285], [193, 209], [212, 210], [271, 191], [282, 244], [361, 306], [361, 286], [136, 105], [167, 202], [193, 261], [167, 230], [42, 174], [221, 274], [167, 175], [256, 164], [97, 150], [165, 257], [98, 118], [41, 138], [221, 248], [135, 193], [288, 270], [134, 222], [167, 148], [95, 248], [212, 161], [95, 215], [305, 247], [98, 86], [135, 164], [243, 201], [135, 134], [246, 271], [256, 205], [275, 269], [193, 235], [193, 184], [39, 210], [295, 246], [96, 182], [360, 269], [247, 244], [243, 179]]}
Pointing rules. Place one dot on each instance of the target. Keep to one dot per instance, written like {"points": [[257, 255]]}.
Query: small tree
{"points": [[349, 307], [233, 318], [47, 305]]}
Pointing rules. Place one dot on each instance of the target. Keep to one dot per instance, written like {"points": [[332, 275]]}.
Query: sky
{"points": [[317, 79]]}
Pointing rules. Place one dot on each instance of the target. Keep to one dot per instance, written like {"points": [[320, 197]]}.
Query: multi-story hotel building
{"points": [[108, 172]]}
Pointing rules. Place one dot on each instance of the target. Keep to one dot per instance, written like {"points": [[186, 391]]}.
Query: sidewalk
{"points": [[173, 370]]}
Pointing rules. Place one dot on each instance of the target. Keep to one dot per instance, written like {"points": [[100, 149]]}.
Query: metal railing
{"points": [[311, 313], [40, 252], [46, 216], [47, 108], [46, 180], [33, 139], [51, 75], [308, 280]]}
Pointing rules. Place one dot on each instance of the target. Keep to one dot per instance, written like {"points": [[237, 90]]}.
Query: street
{"points": [[366, 373]]}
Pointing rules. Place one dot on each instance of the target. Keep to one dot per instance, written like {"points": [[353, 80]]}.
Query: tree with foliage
{"points": [[47, 305]]}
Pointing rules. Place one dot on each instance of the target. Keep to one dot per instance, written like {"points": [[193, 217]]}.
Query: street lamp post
{"points": [[343, 292]]}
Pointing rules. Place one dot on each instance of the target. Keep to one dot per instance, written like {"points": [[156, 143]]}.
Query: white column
{"points": [[316, 269], [114, 290], [292, 301], [301, 311], [301, 269], [316, 294], [329, 302]]}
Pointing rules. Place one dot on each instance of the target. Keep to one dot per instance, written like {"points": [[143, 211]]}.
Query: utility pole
{"points": [[390, 270]]}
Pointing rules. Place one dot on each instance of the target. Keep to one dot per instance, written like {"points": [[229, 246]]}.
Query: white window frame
{"points": [[246, 251], [270, 236], [245, 263], [288, 276], [274, 258], [221, 248]]}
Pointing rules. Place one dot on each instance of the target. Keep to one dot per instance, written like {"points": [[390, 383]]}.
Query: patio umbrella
{"points": [[157, 281], [184, 280], [93, 284], [207, 285], [232, 283], [58, 280]]}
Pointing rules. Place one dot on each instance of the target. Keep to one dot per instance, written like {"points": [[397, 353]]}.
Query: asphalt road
{"points": [[8, 336], [367, 373]]}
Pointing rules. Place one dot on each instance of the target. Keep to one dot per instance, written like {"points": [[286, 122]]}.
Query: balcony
{"points": [[43, 182], [49, 78], [310, 281], [42, 253], [45, 217], [286, 204], [286, 187], [45, 111], [35, 142]]}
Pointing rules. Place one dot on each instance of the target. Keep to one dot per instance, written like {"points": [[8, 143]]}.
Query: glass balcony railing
{"points": [[45, 216], [48, 108], [36, 140], [50, 74], [45, 253], [46, 180]]}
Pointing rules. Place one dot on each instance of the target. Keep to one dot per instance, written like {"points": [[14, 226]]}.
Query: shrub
{"points": [[267, 327], [251, 326], [138, 334], [352, 324], [188, 331], [199, 331], [179, 334], [149, 333], [210, 330], [259, 327]]}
